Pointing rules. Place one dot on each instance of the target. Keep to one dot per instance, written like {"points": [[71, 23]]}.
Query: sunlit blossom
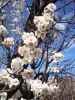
{"points": [[24, 51], [28, 74], [16, 64], [58, 56], [9, 41], [13, 82], [30, 40]]}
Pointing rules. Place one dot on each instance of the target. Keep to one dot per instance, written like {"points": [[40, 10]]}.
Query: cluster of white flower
{"points": [[58, 56], [3, 30], [13, 82], [36, 87], [9, 42], [44, 22], [28, 74], [24, 51], [7, 79], [17, 64], [42, 89], [29, 54], [30, 40], [50, 8], [29, 51]]}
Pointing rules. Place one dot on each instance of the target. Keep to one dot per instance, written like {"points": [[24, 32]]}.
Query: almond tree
{"points": [[32, 39]]}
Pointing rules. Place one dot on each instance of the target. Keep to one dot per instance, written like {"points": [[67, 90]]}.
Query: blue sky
{"points": [[70, 52]]}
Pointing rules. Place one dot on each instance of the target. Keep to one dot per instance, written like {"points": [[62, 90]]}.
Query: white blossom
{"points": [[3, 30], [36, 87], [13, 82], [16, 64], [50, 8], [58, 56], [53, 85], [28, 59], [42, 89], [29, 55], [9, 42], [45, 89], [43, 24], [24, 51], [41, 35], [26, 35], [30, 40], [28, 74], [53, 88]]}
